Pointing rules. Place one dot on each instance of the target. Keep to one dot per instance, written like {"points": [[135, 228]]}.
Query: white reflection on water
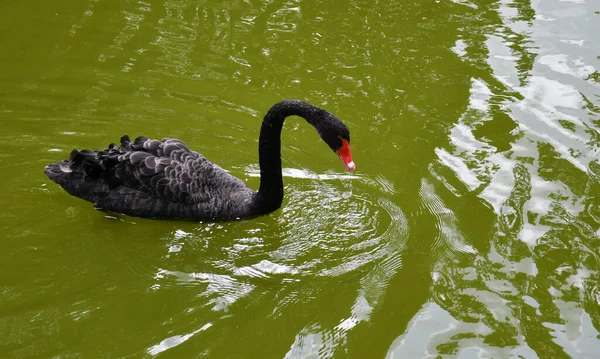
{"points": [[459, 167], [222, 290], [254, 171], [449, 234], [534, 177], [567, 65], [265, 267], [443, 328], [175, 340]]}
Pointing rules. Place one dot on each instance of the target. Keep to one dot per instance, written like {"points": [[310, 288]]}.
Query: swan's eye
{"points": [[342, 141]]}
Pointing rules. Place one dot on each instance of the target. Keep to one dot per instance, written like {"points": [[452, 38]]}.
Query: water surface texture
{"points": [[470, 229]]}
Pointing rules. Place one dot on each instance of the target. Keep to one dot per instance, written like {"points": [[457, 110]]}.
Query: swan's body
{"points": [[165, 179]]}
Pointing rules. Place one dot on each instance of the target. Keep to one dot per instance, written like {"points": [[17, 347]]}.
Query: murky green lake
{"points": [[471, 228]]}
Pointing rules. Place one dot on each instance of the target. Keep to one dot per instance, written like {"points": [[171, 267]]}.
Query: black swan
{"points": [[165, 179]]}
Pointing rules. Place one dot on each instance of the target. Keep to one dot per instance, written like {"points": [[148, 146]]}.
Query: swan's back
{"points": [[151, 178]]}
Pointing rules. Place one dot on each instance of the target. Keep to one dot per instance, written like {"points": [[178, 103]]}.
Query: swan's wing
{"points": [[169, 169], [165, 169]]}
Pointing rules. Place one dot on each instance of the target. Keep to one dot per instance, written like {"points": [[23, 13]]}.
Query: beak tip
{"points": [[350, 166]]}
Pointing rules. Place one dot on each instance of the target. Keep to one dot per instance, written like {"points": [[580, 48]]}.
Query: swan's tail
{"points": [[66, 170], [90, 166], [80, 175]]}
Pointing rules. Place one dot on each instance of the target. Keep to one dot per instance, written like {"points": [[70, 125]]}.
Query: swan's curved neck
{"points": [[270, 193]]}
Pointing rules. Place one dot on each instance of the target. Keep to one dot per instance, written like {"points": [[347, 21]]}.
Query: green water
{"points": [[470, 229]]}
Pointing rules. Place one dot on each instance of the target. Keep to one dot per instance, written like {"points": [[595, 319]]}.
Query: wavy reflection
{"points": [[538, 183], [353, 236]]}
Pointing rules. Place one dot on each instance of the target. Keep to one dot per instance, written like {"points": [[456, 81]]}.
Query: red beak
{"points": [[345, 155]]}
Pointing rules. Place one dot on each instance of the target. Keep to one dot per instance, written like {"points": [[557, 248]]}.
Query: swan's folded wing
{"points": [[167, 169]]}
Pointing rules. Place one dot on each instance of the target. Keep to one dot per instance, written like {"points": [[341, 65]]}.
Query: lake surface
{"points": [[471, 228]]}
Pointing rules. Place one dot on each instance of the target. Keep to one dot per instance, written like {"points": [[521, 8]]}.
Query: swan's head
{"points": [[335, 133]]}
